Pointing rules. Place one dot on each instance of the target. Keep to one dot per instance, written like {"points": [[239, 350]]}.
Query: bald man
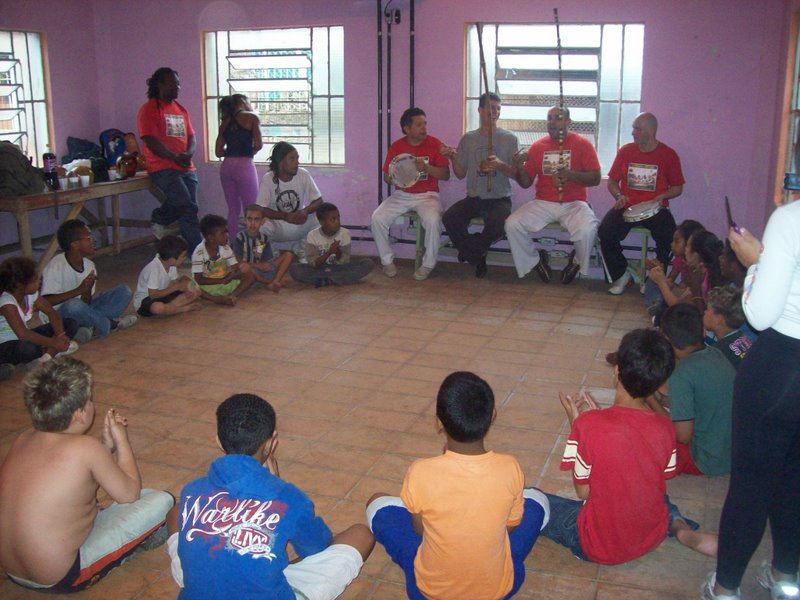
{"points": [[645, 171]]}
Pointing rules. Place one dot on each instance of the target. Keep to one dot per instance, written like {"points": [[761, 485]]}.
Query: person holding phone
{"points": [[765, 469]]}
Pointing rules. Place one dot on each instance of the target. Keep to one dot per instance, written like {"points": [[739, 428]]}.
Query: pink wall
{"points": [[713, 74]]}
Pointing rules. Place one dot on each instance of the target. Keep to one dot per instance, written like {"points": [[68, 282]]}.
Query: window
{"points": [[601, 74], [294, 79], [23, 93]]}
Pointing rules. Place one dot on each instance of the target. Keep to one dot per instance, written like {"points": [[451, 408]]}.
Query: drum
{"points": [[641, 211], [403, 170]]}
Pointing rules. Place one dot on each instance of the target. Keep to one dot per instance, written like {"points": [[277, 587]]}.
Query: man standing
{"points": [[473, 161], [645, 171], [564, 164], [169, 144], [290, 198], [421, 197]]}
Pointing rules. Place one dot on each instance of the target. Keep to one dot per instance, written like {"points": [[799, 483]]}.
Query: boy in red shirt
{"points": [[620, 459]]}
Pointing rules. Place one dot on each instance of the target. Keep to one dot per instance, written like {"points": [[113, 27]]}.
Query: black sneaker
{"points": [[481, 268], [571, 270], [542, 268]]}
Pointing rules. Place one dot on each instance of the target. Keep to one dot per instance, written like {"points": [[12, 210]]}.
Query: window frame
{"points": [[324, 96], [32, 98], [620, 108]]}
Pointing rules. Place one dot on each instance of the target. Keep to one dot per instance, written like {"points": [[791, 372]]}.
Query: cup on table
{"points": [[74, 182], [63, 183], [84, 181]]}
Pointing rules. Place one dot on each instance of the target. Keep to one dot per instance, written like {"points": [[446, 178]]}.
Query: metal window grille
{"points": [[601, 72], [23, 93], [294, 79]]}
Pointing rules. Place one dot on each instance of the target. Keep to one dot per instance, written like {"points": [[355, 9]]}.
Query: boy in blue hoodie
{"points": [[231, 528]]}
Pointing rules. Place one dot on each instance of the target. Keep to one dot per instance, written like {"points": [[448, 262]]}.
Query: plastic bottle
{"points": [[50, 165]]}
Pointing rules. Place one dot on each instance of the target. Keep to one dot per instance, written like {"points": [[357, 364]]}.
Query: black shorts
{"points": [[144, 307]]}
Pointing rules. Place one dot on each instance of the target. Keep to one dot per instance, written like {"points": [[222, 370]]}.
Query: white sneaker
{"points": [[73, 347], [778, 590], [620, 284], [159, 230], [707, 590], [84, 334], [125, 322], [422, 273], [390, 270]]}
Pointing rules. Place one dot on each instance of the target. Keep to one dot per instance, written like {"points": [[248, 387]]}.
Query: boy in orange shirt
{"points": [[464, 523]]}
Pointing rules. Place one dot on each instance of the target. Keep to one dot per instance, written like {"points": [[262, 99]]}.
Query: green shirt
{"points": [[701, 389]]}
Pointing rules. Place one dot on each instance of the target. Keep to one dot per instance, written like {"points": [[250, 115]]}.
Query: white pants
{"points": [[281, 231], [429, 209], [577, 217]]}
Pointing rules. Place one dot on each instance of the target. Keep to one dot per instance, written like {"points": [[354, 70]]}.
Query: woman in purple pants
{"points": [[239, 139]]}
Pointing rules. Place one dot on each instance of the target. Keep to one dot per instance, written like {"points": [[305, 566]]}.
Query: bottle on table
{"points": [[50, 169]]}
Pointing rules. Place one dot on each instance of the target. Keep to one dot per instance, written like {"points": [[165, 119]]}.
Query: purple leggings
{"points": [[240, 186]]}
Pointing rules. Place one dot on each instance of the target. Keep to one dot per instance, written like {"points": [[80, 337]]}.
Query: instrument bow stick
{"points": [[487, 105], [560, 105]]}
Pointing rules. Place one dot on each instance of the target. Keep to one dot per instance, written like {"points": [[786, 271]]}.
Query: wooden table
{"points": [[75, 201]]}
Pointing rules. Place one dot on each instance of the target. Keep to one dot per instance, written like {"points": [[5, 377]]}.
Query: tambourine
{"points": [[641, 211], [403, 170]]}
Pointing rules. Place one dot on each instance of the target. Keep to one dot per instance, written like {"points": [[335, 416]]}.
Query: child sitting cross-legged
{"points": [[159, 290], [214, 267], [328, 253], [252, 246], [55, 538], [19, 297], [231, 529], [464, 522], [620, 458]]}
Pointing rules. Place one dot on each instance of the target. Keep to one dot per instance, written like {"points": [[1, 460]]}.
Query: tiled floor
{"points": [[353, 374]]}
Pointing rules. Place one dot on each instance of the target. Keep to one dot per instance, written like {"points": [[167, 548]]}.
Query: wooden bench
{"points": [[638, 266]]}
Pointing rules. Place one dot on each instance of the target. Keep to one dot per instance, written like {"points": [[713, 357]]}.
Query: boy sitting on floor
{"points": [[159, 290], [69, 283], [700, 395], [54, 538], [214, 267], [620, 459], [724, 318], [231, 528], [252, 246], [328, 253], [464, 523]]}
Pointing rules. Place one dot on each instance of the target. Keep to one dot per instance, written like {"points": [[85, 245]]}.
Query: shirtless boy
{"points": [[54, 538]]}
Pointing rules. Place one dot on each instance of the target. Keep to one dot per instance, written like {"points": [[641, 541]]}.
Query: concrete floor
{"points": [[353, 374]]}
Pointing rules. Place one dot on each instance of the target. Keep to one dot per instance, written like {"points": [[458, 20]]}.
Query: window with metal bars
{"points": [[23, 93], [293, 78], [601, 78]]}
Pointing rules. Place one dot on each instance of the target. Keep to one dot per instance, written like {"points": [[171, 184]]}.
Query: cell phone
{"points": [[731, 222]]}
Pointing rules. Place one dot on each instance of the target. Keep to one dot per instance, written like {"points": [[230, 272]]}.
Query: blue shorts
{"points": [[390, 522], [563, 525]]}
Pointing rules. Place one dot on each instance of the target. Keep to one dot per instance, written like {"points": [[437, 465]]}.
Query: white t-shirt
{"points": [[59, 276], [317, 244], [153, 277], [25, 313], [216, 268], [288, 196]]}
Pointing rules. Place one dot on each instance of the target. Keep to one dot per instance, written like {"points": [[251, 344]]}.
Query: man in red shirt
{"points": [[563, 164], [169, 144], [645, 171], [421, 197]]}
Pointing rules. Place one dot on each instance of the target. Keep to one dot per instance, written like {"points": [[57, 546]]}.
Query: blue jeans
{"points": [[180, 189], [563, 525], [99, 312], [393, 529]]}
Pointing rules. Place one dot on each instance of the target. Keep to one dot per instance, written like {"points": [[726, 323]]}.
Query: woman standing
{"points": [[239, 139], [765, 471]]}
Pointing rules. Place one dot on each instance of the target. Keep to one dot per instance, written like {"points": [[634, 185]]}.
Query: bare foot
{"points": [[699, 541], [275, 287], [196, 306], [225, 300]]}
